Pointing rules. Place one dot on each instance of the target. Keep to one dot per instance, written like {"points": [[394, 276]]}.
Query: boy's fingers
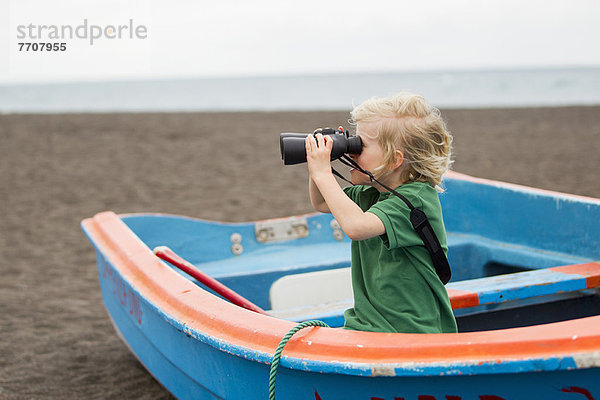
{"points": [[328, 142], [308, 143], [320, 140]]}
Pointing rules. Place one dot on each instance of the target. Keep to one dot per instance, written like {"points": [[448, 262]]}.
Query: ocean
{"points": [[444, 89]]}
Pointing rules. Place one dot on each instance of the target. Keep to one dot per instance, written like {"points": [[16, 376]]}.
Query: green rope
{"points": [[277, 355]]}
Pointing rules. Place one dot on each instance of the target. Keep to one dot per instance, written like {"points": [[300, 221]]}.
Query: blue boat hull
{"points": [[184, 344], [163, 348]]}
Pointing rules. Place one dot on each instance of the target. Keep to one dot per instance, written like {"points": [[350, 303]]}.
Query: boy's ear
{"points": [[399, 159]]}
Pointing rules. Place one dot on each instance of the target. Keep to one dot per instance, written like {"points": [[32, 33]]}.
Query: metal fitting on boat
{"points": [[236, 244], [276, 230], [338, 234]]}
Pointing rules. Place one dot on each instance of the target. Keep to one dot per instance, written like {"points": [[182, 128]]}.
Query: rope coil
{"points": [[282, 343]]}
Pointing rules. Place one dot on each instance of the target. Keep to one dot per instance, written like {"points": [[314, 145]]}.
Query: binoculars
{"points": [[293, 147]]}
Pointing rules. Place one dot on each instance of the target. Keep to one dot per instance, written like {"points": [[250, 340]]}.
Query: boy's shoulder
{"points": [[422, 191], [416, 192], [395, 214], [416, 187], [421, 195]]}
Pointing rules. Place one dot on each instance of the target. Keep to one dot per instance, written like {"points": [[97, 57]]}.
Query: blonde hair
{"points": [[407, 122]]}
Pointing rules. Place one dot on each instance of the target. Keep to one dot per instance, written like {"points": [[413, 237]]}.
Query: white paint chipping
{"points": [[587, 360], [383, 370]]}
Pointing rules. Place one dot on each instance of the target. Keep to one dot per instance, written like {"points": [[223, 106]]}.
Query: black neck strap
{"points": [[419, 221]]}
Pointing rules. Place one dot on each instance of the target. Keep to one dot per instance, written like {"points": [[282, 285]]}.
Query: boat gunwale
{"points": [[520, 188]]}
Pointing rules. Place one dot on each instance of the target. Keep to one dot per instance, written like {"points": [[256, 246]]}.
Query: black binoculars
{"points": [[293, 147]]}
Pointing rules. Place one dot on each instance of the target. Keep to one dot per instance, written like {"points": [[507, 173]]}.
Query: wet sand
{"points": [[57, 340]]}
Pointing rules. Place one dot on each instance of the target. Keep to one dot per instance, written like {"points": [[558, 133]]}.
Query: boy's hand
{"points": [[318, 154]]}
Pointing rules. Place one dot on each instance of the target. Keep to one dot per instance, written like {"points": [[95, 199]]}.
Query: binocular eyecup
{"points": [[293, 147]]}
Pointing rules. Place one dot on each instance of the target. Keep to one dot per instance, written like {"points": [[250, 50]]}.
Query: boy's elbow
{"points": [[354, 232], [352, 235], [324, 210], [321, 207], [364, 228]]}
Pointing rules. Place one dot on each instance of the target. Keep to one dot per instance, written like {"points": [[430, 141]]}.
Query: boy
{"points": [[407, 148]]}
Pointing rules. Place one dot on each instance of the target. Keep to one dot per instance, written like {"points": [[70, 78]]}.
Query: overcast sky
{"points": [[188, 38]]}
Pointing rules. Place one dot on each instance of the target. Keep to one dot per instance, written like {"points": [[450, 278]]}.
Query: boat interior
{"points": [[298, 269]]}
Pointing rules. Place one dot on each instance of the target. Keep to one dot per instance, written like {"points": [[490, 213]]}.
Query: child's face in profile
{"points": [[371, 156]]}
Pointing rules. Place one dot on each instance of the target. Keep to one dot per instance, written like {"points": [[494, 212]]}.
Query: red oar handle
{"points": [[169, 255]]}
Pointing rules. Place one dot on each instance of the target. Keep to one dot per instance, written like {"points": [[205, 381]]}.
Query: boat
{"points": [[524, 289]]}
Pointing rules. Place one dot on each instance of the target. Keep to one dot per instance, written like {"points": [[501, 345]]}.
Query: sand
{"points": [[57, 340]]}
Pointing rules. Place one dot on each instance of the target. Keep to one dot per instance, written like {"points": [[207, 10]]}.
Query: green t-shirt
{"points": [[396, 288]]}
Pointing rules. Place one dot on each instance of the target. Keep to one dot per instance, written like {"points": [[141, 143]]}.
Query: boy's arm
{"points": [[316, 198], [356, 223]]}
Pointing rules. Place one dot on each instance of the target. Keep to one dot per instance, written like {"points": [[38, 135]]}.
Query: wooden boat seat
{"points": [[463, 294]]}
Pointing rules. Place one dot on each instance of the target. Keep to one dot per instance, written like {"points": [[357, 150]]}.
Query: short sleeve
{"points": [[395, 215], [352, 192], [362, 195]]}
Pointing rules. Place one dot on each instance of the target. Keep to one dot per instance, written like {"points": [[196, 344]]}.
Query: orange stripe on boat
{"points": [[462, 298], [589, 271]]}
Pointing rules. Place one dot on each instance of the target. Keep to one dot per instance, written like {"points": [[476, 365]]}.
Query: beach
{"points": [[57, 169]]}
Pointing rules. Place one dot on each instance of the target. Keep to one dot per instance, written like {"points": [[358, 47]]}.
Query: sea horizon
{"points": [[453, 88]]}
